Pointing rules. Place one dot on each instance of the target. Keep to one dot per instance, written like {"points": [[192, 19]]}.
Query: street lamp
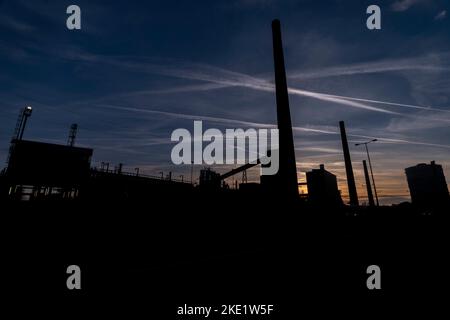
{"points": [[370, 166], [26, 113]]}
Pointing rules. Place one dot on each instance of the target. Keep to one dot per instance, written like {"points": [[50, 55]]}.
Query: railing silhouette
{"points": [[134, 174]]}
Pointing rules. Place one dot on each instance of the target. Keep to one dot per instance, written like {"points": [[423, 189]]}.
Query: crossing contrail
{"points": [[215, 78], [266, 125]]}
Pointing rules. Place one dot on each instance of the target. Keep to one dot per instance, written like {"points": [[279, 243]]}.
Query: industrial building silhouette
{"points": [[323, 189]]}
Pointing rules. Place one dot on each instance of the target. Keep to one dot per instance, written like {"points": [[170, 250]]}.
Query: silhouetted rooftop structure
{"points": [[322, 188], [37, 169], [427, 185], [35, 163]]}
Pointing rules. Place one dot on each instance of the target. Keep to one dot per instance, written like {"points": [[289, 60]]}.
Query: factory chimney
{"points": [[348, 167], [368, 185], [286, 179]]}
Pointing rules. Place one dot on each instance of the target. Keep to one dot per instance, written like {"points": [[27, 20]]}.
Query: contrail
{"points": [[189, 116], [222, 78], [420, 64], [243, 80], [431, 62], [401, 141], [339, 100], [390, 103], [265, 125]]}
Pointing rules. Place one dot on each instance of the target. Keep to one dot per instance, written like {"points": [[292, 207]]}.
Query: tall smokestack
{"points": [[287, 173], [368, 185], [348, 167]]}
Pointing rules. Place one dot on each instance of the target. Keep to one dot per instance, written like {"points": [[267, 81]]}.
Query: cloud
{"points": [[403, 5], [321, 150], [310, 129], [219, 76], [412, 106], [14, 24], [258, 3], [441, 15], [427, 75], [414, 124]]}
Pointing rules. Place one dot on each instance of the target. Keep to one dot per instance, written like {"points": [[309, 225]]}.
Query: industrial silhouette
{"points": [[159, 241], [323, 189], [45, 172]]}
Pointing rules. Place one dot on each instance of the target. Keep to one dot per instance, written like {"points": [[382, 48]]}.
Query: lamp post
{"points": [[26, 113], [370, 166]]}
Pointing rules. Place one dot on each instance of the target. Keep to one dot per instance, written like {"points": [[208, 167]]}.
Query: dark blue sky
{"points": [[139, 69]]}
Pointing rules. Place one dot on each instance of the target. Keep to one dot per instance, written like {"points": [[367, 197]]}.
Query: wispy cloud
{"points": [[395, 104], [412, 124], [224, 77], [267, 125], [14, 24], [221, 78], [321, 150], [218, 78], [441, 15], [424, 63], [258, 3]]}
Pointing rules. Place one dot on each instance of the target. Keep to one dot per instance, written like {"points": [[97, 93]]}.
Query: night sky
{"points": [[137, 70]]}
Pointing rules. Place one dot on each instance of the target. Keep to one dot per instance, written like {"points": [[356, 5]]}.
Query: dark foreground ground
{"points": [[143, 260]]}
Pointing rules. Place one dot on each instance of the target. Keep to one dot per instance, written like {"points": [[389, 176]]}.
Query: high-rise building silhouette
{"points": [[427, 185], [348, 167]]}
